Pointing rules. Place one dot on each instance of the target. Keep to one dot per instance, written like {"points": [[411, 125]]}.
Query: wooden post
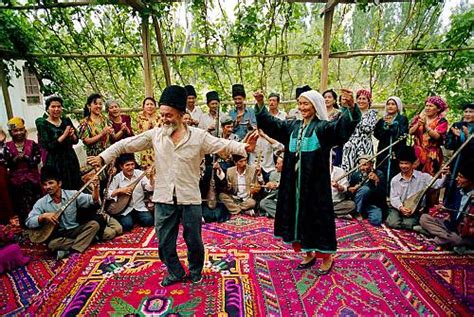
{"points": [[161, 48], [146, 57], [6, 94], [328, 16]]}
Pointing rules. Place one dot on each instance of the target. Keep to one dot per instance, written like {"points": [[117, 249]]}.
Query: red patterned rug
{"points": [[247, 272]]}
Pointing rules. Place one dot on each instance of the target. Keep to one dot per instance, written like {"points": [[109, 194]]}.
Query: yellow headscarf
{"points": [[15, 123]]}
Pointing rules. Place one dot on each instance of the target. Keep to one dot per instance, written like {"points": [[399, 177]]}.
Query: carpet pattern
{"points": [[247, 272]]}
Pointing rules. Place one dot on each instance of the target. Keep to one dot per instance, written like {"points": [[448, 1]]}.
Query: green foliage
{"points": [[252, 28]]}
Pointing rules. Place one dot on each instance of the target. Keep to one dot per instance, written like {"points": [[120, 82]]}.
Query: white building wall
{"points": [[18, 99]]}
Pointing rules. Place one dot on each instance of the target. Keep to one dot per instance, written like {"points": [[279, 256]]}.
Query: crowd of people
{"points": [[304, 168]]}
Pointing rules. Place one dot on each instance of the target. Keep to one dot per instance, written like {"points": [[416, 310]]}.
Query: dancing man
{"points": [[179, 150]]}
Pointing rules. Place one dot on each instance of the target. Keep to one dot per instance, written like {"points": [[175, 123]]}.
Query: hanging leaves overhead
{"points": [[262, 29]]}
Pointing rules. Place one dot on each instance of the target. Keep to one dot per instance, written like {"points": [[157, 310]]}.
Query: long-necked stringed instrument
{"points": [[211, 197], [414, 200], [118, 206], [43, 233], [255, 186], [355, 168]]}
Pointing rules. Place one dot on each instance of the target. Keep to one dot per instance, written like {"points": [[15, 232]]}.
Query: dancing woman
{"points": [[305, 215]]}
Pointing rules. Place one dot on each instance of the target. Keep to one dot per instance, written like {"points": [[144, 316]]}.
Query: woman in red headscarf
{"points": [[429, 130]]}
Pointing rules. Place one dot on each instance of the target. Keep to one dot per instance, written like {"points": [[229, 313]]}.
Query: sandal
{"points": [[320, 272], [307, 265]]}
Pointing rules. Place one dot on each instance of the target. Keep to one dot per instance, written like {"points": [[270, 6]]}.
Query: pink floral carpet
{"points": [[247, 272]]}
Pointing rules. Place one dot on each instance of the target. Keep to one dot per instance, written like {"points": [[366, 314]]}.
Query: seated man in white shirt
{"points": [[241, 181], [266, 149], [269, 203], [343, 207], [405, 184], [123, 184]]}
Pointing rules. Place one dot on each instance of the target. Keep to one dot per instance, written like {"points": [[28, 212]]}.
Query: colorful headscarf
{"points": [[15, 123], [364, 92], [438, 102]]}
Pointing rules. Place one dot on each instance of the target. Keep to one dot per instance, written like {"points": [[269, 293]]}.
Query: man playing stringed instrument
{"points": [[238, 198], [406, 183], [71, 237], [123, 184], [456, 230]]}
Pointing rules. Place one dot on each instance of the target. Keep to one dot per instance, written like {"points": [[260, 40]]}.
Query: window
{"points": [[33, 95]]}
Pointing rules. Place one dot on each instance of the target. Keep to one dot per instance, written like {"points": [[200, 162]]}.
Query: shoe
{"points": [[324, 272], [168, 280], [250, 212], [460, 250], [61, 254], [421, 230], [195, 279], [307, 265]]}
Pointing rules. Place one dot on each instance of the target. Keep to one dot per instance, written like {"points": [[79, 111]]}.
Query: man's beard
{"points": [[168, 129]]}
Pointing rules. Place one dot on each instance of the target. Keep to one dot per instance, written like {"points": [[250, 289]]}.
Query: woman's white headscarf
{"points": [[399, 103], [317, 100]]}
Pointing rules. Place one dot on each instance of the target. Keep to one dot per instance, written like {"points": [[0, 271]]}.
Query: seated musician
{"points": [[71, 237], [211, 183], [269, 203], [343, 206], [123, 185], [405, 184], [240, 189], [368, 187], [457, 230]]}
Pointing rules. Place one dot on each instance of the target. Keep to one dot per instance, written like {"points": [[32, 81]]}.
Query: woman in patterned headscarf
{"points": [[429, 130], [387, 130], [360, 142]]}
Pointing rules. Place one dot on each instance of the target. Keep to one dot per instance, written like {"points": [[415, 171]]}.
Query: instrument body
{"points": [[118, 206], [211, 197], [43, 233], [255, 186]]}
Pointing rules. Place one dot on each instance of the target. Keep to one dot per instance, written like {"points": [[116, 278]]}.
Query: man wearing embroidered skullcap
{"points": [[179, 150]]}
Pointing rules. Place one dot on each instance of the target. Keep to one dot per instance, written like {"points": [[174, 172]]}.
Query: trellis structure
{"points": [[147, 55]]}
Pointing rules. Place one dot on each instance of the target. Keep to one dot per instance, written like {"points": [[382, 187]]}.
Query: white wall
{"points": [[18, 99]]}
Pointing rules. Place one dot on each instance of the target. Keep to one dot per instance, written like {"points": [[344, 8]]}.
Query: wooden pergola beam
{"points": [[325, 50], [161, 48], [7, 54], [147, 71]]}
